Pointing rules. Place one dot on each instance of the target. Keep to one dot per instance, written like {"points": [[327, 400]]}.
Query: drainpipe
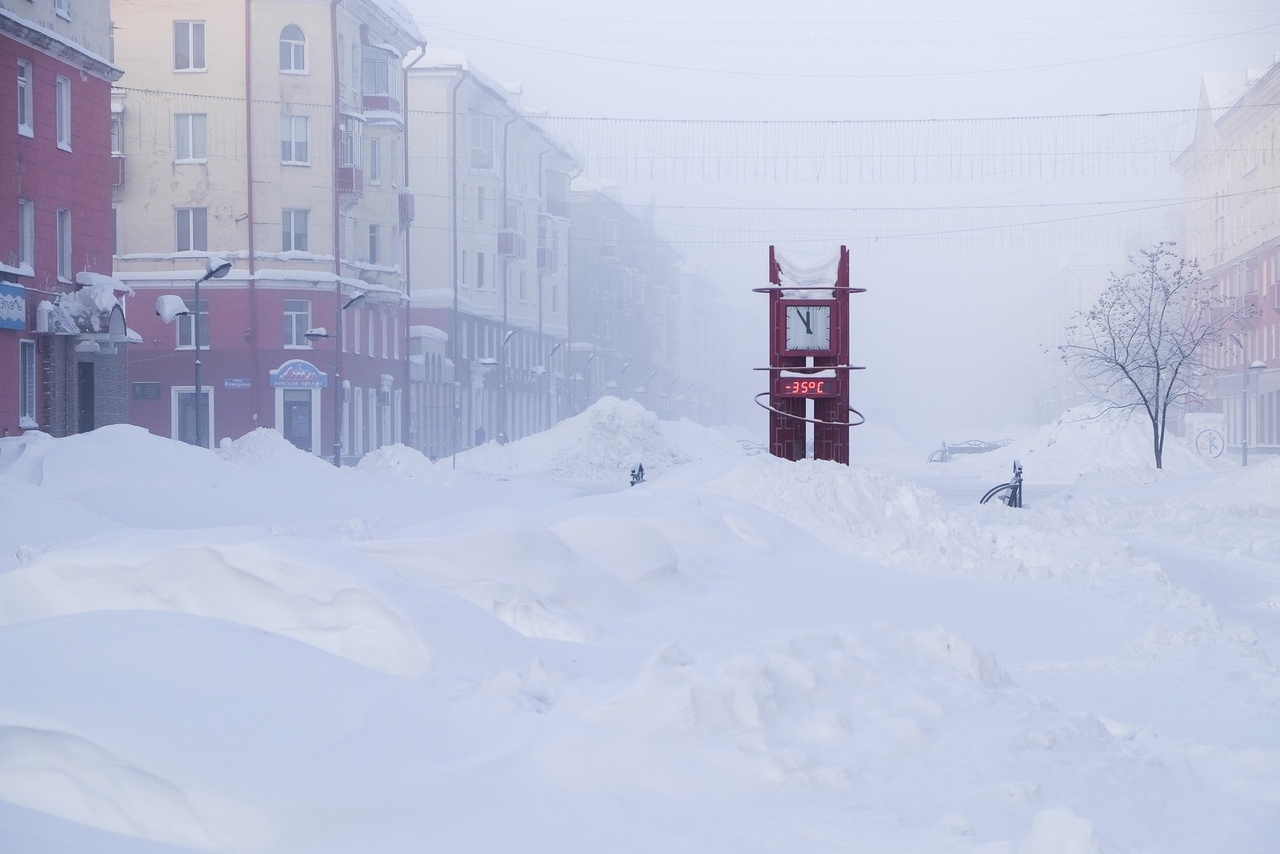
{"points": [[406, 409], [254, 309], [336, 140], [503, 426], [453, 177]]}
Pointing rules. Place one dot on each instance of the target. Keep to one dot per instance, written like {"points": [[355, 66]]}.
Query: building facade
{"points": [[488, 251], [62, 337], [1232, 172], [269, 135], [624, 307]]}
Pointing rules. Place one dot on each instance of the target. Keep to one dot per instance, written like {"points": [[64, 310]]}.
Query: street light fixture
{"points": [[216, 268], [1256, 366], [338, 390]]}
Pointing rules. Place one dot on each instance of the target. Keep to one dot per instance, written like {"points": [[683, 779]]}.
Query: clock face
{"points": [[808, 327]]}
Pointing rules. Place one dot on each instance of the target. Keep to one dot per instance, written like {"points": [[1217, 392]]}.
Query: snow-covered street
{"points": [[249, 650]]}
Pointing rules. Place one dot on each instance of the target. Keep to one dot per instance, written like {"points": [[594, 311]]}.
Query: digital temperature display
{"points": [[801, 387]]}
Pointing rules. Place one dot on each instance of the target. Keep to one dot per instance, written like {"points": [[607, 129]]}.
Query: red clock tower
{"points": [[809, 360]]}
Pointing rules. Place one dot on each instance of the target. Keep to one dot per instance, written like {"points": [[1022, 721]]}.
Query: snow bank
{"points": [[1087, 440], [400, 461], [600, 444], [73, 778], [248, 585], [265, 445]]}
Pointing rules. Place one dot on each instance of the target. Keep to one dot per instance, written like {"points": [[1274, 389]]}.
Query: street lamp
{"points": [[216, 268], [502, 384], [338, 390], [1256, 366]]}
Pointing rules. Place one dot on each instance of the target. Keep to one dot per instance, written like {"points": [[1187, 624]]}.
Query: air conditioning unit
{"points": [[511, 244], [547, 261]]}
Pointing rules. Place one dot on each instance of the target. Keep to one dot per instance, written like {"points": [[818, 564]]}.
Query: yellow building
{"points": [[271, 135]]}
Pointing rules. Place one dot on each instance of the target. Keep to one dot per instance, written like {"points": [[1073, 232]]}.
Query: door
{"points": [[297, 417]]}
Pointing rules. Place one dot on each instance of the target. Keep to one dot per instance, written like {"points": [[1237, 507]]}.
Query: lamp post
{"points": [[502, 384], [547, 373], [622, 390], [217, 268], [338, 390], [1256, 366]]}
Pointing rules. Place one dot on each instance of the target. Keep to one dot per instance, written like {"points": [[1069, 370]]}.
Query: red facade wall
{"points": [[78, 180]]}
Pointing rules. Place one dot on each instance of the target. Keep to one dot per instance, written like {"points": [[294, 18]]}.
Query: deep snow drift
{"points": [[249, 650]]}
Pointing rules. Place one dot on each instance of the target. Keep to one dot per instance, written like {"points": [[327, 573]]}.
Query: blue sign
{"points": [[13, 306], [298, 373]]}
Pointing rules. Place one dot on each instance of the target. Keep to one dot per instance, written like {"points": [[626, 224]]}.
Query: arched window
{"points": [[293, 49]]}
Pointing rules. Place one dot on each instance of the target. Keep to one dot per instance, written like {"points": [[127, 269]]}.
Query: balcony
{"points": [[117, 171], [558, 208], [351, 181], [406, 209], [511, 244]]}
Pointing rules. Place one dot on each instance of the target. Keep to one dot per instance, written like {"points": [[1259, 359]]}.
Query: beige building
{"points": [[270, 135], [487, 251], [1232, 170]]}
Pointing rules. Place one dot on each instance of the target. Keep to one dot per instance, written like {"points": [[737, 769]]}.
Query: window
{"points": [[350, 141], [479, 270], [375, 161], [188, 46], [373, 244], [293, 230], [25, 107], [481, 207], [355, 332], [293, 140], [63, 103], [462, 267], [555, 297], [370, 316], [293, 50], [27, 232], [200, 321], [482, 142], [190, 230], [523, 291], [62, 8], [64, 245], [26, 384], [189, 137], [380, 77], [117, 135], [297, 320]]}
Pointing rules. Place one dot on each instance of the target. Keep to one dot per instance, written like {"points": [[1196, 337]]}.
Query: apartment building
{"points": [[270, 135], [62, 332], [488, 251], [1232, 174], [624, 314]]}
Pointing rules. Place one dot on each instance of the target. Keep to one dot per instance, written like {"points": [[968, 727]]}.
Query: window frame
{"points": [[62, 109], [296, 324], [289, 125], [184, 323], [191, 125], [64, 245], [297, 48], [375, 161], [375, 238], [27, 360], [290, 218], [193, 46], [26, 98], [62, 8], [192, 231], [27, 232], [483, 143]]}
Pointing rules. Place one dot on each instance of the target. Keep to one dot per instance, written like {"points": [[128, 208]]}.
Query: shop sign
{"points": [[13, 306], [298, 373]]}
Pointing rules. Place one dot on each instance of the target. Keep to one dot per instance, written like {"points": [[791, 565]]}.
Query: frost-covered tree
{"points": [[1143, 344]]}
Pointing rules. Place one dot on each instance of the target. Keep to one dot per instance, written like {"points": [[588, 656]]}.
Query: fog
{"points": [[945, 329]]}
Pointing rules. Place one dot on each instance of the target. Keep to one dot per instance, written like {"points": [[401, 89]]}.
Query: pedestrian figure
{"points": [[637, 474]]}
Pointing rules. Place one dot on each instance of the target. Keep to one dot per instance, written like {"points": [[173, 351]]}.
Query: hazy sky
{"points": [[933, 328]]}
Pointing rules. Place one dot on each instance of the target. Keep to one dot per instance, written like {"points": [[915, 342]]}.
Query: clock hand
{"points": [[804, 318]]}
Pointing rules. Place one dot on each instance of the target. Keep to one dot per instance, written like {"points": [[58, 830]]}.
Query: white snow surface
{"points": [[250, 650]]}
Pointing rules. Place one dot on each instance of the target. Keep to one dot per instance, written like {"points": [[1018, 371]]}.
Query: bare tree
{"points": [[1143, 344]]}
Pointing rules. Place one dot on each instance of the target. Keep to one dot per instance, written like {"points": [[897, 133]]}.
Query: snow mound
{"points": [[262, 445], [238, 584], [600, 444], [627, 548], [399, 461], [858, 511], [73, 778], [1085, 440]]}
